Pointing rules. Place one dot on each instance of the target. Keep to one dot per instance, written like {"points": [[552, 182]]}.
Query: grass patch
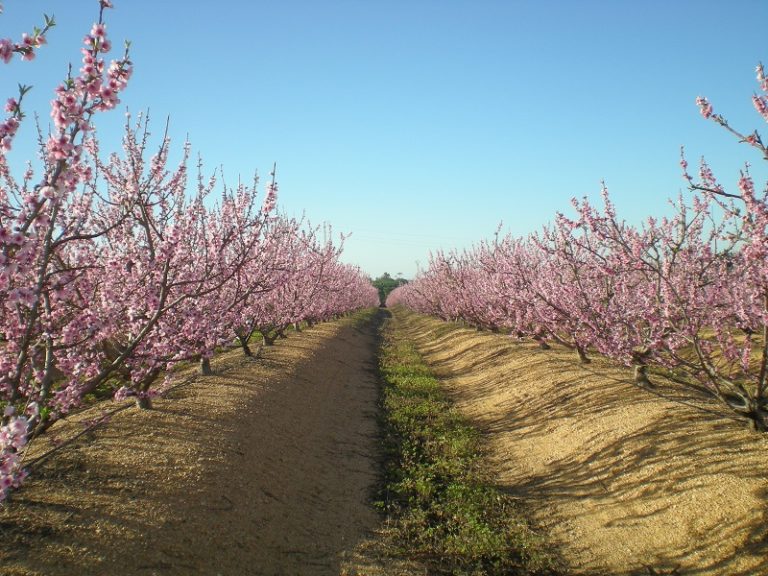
{"points": [[363, 317], [442, 509]]}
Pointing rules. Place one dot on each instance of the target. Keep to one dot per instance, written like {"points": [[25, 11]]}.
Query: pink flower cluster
{"points": [[111, 272], [26, 47], [13, 439], [77, 99], [8, 128], [688, 291], [704, 106]]}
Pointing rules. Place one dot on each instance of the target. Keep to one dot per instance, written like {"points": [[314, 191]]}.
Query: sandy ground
{"points": [[620, 478], [266, 468]]}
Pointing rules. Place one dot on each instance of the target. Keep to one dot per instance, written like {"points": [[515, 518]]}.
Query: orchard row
{"points": [[114, 268], [687, 292]]}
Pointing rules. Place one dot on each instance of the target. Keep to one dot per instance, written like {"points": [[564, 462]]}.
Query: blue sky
{"points": [[421, 124]]}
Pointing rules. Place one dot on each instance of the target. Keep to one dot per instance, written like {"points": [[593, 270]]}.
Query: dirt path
{"points": [[620, 478], [264, 468]]}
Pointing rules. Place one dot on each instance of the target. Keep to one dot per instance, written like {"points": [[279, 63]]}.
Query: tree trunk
{"points": [[542, 343], [759, 421], [244, 345], [144, 402], [205, 367], [641, 377], [582, 355], [268, 340]]}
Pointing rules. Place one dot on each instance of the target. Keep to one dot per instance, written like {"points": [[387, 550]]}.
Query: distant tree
{"points": [[385, 284]]}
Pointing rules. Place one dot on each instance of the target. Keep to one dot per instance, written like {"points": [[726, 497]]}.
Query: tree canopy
{"points": [[385, 284]]}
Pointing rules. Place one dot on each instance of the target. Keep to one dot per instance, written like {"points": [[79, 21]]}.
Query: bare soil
{"points": [[625, 481], [267, 467]]}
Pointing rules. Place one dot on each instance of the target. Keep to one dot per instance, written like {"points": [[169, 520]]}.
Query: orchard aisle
{"points": [[265, 468], [619, 478]]}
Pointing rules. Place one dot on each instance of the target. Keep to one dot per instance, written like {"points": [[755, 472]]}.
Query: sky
{"points": [[415, 125]]}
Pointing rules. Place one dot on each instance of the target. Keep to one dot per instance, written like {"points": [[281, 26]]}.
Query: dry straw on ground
{"points": [[267, 467], [264, 468], [622, 478]]}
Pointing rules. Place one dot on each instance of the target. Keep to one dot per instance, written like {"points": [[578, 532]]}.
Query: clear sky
{"points": [[420, 124]]}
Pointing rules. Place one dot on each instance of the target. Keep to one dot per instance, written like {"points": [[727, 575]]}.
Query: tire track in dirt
{"points": [[265, 468], [300, 489]]}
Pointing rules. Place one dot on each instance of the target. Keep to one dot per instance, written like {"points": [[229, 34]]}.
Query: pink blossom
{"points": [[761, 105], [6, 50], [704, 106], [99, 31], [761, 78], [48, 192]]}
